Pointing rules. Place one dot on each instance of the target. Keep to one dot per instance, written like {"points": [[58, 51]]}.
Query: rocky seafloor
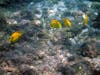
{"points": [[43, 50]]}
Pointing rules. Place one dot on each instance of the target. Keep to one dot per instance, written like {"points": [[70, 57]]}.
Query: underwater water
{"points": [[49, 37]]}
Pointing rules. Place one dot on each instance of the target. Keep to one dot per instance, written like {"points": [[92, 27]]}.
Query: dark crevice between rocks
{"points": [[96, 22]]}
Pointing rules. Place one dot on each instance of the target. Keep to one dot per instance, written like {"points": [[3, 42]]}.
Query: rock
{"points": [[82, 68], [40, 35], [6, 47], [36, 22], [65, 70], [30, 72], [27, 70], [71, 58], [88, 49], [2, 72], [3, 23], [96, 71], [26, 15], [21, 59]]}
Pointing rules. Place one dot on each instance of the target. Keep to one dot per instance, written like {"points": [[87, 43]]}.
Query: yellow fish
{"points": [[67, 22], [85, 19], [15, 37], [55, 24]]}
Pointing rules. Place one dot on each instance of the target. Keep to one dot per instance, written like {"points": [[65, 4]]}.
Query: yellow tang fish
{"points": [[67, 22], [55, 24], [85, 19], [15, 37]]}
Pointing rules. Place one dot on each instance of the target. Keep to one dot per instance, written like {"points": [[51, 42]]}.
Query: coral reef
{"points": [[58, 37]]}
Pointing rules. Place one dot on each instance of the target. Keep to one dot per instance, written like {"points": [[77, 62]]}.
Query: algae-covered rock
{"points": [[88, 49], [66, 70], [82, 68], [27, 70], [2, 72], [3, 22]]}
